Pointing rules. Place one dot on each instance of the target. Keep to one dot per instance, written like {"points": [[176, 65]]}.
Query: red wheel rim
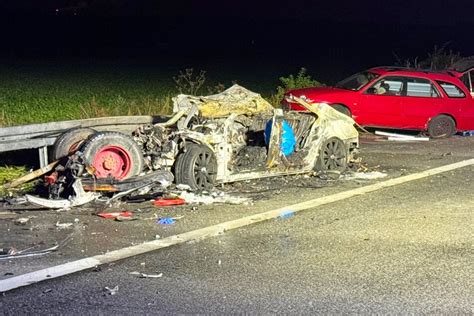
{"points": [[112, 160]]}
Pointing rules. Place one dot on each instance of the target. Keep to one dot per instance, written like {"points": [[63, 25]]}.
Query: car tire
{"points": [[332, 156], [70, 141], [196, 167], [113, 154], [441, 126], [343, 109]]}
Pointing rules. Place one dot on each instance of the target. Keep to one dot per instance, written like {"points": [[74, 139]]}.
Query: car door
{"points": [[459, 103], [380, 104], [420, 100]]}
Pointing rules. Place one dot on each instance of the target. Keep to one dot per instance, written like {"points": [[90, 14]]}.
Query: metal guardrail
{"points": [[43, 135]]}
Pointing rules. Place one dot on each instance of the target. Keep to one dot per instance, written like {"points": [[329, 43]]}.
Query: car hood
{"points": [[319, 94]]}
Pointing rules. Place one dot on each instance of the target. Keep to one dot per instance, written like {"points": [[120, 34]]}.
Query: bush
{"points": [[301, 80], [441, 58], [187, 82]]}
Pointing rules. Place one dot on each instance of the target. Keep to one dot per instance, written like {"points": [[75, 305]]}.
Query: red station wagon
{"points": [[440, 103]]}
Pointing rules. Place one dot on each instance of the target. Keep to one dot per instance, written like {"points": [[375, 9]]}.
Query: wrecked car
{"points": [[232, 136]]}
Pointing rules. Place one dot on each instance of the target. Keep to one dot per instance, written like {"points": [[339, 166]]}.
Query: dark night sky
{"points": [[420, 11], [354, 34]]}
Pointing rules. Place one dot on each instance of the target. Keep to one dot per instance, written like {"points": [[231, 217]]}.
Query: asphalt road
{"points": [[405, 249]]}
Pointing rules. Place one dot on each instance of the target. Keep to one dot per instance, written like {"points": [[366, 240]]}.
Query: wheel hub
{"points": [[109, 163]]}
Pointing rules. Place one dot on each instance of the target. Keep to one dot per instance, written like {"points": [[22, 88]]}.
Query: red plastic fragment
{"points": [[52, 178], [115, 214], [168, 201]]}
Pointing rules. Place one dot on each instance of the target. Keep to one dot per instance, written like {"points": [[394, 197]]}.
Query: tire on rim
{"points": [[343, 109], [441, 126], [70, 141], [196, 167], [332, 156], [113, 154]]}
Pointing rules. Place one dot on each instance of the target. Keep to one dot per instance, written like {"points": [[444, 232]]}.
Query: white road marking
{"points": [[206, 232]]}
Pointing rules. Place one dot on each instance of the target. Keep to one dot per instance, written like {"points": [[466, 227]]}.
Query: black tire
{"points": [[196, 167], [441, 126], [332, 156], [113, 154], [70, 141], [343, 109]]}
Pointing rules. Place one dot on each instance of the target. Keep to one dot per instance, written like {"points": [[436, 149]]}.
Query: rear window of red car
{"points": [[451, 89]]}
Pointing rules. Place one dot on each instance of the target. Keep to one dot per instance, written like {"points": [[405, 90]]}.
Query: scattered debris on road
{"points": [[111, 291], [211, 198], [22, 221], [286, 214], [13, 253], [7, 215], [372, 175], [146, 276], [63, 225], [401, 137], [169, 201], [114, 215], [166, 221]]}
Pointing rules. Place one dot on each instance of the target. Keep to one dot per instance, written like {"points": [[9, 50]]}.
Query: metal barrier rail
{"points": [[43, 135]]}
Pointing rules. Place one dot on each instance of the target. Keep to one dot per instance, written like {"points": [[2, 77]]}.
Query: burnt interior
{"points": [[253, 156]]}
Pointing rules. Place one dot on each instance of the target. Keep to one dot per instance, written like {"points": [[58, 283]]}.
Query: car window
{"points": [[419, 87], [357, 81], [451, 90], [387, 86]]}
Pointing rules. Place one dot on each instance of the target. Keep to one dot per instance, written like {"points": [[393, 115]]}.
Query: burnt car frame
{"points": [[214, 139]]}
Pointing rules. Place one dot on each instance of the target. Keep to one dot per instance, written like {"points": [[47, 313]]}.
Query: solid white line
{"points": [[203, 233]]}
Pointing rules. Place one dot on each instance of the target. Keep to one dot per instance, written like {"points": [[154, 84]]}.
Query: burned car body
{"points": [[232, 136]]}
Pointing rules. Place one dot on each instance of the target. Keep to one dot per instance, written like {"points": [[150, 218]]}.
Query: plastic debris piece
{"points": [[145, 275], [22, 220], [124, 218], [166, 221], [115, 214], [287, 214], [7, 214], [365, 175], [112, 291], [195, 198], [13, 253], [63, 225], [168, 201]]}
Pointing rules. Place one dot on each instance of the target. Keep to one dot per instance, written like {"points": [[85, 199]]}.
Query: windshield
{"points": [[357, 81]]}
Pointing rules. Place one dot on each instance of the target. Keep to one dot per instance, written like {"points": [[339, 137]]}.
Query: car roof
{"points": [[446, 75]]}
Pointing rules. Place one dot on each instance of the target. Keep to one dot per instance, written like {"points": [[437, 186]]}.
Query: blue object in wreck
{"points": [[288, 140]]}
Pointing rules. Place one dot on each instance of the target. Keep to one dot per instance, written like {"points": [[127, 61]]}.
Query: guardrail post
{"points": [[43, 156]]}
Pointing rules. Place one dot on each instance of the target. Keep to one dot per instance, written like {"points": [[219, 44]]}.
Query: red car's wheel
{"points": [[343, 109], [113, 154], [441, 126]]}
